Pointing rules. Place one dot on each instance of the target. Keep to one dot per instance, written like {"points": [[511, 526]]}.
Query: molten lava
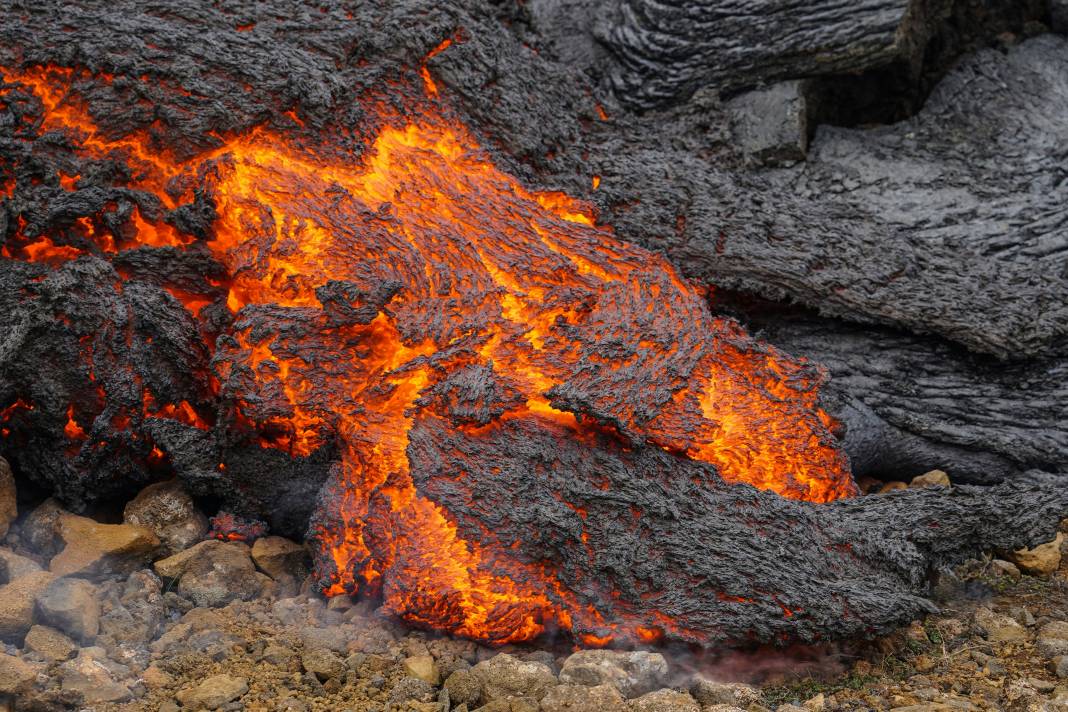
{"points": [[421, 279]]}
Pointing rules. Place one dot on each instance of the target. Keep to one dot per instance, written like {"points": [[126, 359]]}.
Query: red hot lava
{"points": [[422, 259]]}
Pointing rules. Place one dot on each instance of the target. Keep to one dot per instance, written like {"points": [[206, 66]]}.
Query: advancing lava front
{"points": [[516, 423]]}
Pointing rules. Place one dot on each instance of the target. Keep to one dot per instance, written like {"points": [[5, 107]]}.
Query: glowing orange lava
{"points": [[426, 209]]}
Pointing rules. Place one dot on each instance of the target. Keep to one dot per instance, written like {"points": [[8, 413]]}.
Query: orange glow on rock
{"points": [[425, 208]]}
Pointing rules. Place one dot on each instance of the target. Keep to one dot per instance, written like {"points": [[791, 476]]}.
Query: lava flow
{"points": [[419, 281]]}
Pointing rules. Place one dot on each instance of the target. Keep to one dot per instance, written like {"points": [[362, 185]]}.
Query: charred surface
{"points": [[262, 246]]}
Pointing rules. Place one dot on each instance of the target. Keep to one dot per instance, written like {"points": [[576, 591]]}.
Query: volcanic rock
{"points": [[464, 687], [72, 606], [92, 676], [280, 558], [168, 510], [632, 673], [17, 603], [40, 529], [934, 478], [16, 675], [134, 614], [49, 643], [770, 124], [218, 575], [505, 676], [708, 692], [664, 701], [8, 506], [1040, 560], [578, 698], [423, 667], [213, 692], [1052, 639], [175, 565], [96, 551], [322, 663], [1001, 567], [411, 689], [13, 566], [998, 627]]}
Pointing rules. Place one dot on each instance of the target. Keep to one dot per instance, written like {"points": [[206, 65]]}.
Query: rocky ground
{"points": [[148, 614]]}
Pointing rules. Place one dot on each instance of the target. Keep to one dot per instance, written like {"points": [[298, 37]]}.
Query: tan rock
{"points": [[1042, 559], [505, 676], [892, 486], [154, 678], [168, 510], [95, 550], [174, 566], [279, 557], [214, 692], [579, 698], [423, 667], [8, 508], [709, 692], [934, 478], [49, 643], [17, 603], [13, 566], [16, 675], [72, 606], [664, 701], [1000, 567], [1000, 628]]}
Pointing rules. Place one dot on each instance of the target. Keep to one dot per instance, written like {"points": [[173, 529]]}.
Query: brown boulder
{"points": [[16, 675], [279, 558], [13, 566], [17, 604], [934, 478], [168, 510], [49, 643], [95, 550], [40, 528], [1041, 560], [72, 606], [218, 575]]}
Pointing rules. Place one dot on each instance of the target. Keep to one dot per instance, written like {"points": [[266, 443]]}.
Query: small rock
{"points": [[815, 704], [17, 604], [1052, 639], [155, 678], [464, 688], [1041, 560], [579, 698], [506, 676], [632, 673], [278, 655], [97, 551], [664, 701], [280, 558], [892, 486], [510, 704], [49, 643], [424, 668], [90, 675], [322, 663], [220, 575], [934, 478], [13, 566], [168, 510], [213, 693], [709, 692], [1023, 616], [999, 628], [16, 675], [8, 509], [409, 689], [771, 124], [72, 606], [1000, 567], [40, 529], [1060, 666]]}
